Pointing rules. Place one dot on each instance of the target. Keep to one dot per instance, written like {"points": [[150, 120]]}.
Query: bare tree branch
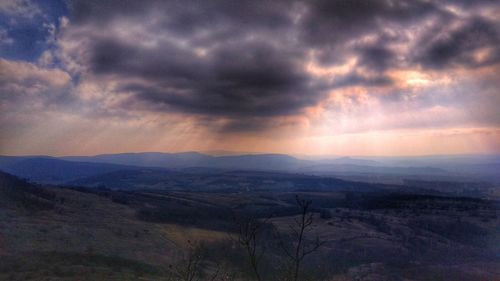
{"points": [[301, 246]]}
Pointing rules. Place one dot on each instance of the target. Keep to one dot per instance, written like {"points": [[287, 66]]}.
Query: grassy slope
{"points": [[99, 236], [80, 234]]}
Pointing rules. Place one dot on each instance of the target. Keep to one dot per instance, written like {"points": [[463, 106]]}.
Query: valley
{"points": [[144, 223]]}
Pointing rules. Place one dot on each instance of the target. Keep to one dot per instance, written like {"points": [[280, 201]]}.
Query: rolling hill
{"points": [[53, 170]]}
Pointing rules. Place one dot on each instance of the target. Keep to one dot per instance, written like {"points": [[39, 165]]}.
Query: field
{"points": [[65, 233]]}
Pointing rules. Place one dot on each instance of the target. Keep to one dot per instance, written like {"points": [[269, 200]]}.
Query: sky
{"points": [[319, 77]]}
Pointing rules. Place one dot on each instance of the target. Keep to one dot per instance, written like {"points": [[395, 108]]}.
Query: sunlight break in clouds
{"points": [[304, 77]]}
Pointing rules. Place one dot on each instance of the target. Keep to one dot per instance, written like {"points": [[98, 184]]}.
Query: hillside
{"points": [[53, 170], [48, 233], [58, 233], [445, 167], [220, 180]]}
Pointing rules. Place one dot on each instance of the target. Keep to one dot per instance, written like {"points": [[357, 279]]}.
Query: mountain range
{"points": [[47, 169]]}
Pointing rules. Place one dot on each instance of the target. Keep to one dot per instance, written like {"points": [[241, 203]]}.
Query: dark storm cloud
{"points": [[329, 22], [188, 17], [467, 4], [111, 56], [377, 57], [328, 25], [356, 79], [245, 60], [261, 81], [458, 46]]}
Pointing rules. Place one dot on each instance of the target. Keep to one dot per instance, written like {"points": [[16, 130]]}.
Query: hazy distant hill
{"points": [[439, 160], [194, 159], [350, 161], [147, 159], [277, 162], [350, 168], [70, 168], [52, 170]]}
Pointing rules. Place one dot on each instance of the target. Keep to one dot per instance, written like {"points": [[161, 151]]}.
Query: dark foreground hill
{"points": [[62, 233], [50, 233]]}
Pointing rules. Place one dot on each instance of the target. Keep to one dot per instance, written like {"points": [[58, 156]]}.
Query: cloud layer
{"points": [[254, 70]]}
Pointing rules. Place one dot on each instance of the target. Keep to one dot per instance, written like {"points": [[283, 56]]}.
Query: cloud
{"points": [[217, 60], [331, 26], [357, 79], [377, 57], [261, 81], [259, 68], [26, 85], [474, 43], [245, 65], [19, 8], [5, 39]]}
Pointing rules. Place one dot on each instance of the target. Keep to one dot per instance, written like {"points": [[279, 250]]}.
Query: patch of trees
{"points": [[376, 201]]}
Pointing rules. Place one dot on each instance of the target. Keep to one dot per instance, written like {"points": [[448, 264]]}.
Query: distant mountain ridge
{"points": [[196, 159], [351, 161], [65, 169], [52, 170], [146, 159]]}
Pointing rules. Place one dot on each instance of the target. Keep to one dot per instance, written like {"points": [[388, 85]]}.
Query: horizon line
{"points": [[221, 153]]}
